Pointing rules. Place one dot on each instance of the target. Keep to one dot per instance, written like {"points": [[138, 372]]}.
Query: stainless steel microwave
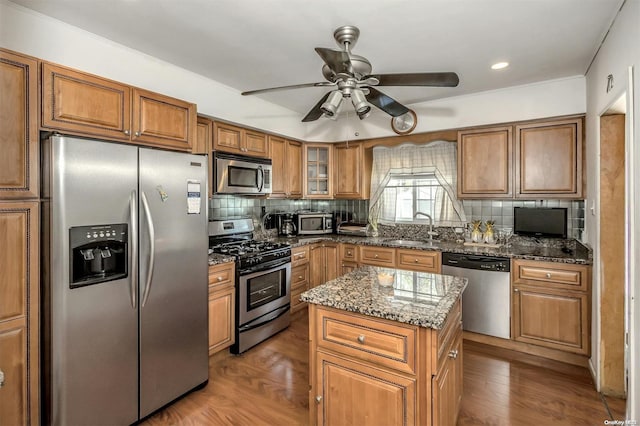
{"points": [[312, 223], [239, 174]]}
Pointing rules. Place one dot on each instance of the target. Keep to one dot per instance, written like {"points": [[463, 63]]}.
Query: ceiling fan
{"points": [[351, 75]]}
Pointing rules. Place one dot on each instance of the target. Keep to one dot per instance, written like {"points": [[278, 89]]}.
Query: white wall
{"points": [[29, 32], [620, 51]]}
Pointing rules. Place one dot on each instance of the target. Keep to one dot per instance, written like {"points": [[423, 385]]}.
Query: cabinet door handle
{"points": [[1, 378], [127, 132], [416, 261], [548, 275], [361, 338], [299, 277], [349, 253], [453, 354], [219, 279], [318, 399], [516, 290], [375, 257]]}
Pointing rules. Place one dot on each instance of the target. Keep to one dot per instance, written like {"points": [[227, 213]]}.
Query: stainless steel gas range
{"points": [[263, 280]]}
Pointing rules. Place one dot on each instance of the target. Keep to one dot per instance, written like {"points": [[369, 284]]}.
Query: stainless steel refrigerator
{"points": [[124, 281]]}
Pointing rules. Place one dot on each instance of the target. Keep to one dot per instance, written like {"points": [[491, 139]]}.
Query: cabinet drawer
{"points": [[299, 256], [381, 256], [377, 341], [551, 275], [222, 274], [418, 260], [299, 276], [349, 252]]}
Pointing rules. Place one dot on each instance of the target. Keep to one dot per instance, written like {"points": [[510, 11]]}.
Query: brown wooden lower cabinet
{"points": [[550, 305], [222, 302], [323, 262], [419, 260], [19, 308], [367, 370]]}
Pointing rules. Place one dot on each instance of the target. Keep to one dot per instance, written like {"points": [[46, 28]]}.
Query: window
{"points": [[415, 178]]}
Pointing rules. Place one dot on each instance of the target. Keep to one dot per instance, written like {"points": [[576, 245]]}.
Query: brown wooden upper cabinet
{"points": [[318, 164], [238, 140], [19, 124], [484, 163], [286, 157], [549, 159], [529, 160], [79, 103], [352, 171]]}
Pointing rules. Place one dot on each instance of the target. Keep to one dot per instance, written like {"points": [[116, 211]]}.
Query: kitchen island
{"points": [[387, 355]]}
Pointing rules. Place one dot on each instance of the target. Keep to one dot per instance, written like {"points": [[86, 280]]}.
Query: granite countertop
{"points": [[217, 259], [578, 254], [417, 298]]}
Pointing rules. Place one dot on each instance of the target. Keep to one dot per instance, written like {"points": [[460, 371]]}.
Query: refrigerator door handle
{"points": [[133, 203], [152, 248]]}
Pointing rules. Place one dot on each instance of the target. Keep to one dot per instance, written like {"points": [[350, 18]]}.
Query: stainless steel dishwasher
{"points": [[486, 302]]}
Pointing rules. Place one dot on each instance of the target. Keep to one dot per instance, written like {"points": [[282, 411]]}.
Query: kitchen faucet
{"points": [[430, 223]]}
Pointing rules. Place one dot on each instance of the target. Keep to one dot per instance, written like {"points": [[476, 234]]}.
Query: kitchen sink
{"points": [[412, 243]]}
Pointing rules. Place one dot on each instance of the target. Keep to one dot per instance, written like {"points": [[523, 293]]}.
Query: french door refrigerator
{"points": [[124, 280]]}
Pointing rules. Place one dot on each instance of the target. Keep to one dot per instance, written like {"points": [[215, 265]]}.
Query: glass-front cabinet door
{"points": [[318, 170]]}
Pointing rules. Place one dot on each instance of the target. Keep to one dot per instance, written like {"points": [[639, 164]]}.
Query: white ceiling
{"points": [[253, 44]]}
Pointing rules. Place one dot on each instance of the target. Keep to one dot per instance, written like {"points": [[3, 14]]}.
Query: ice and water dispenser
{"points": [[97, 254]]}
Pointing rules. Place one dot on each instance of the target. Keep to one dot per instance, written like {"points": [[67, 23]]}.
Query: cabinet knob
{"points": [[318, 399], [137, 134], [219, 278], [361, 338], [349, 253], [1, 378], [516, 290], [299, 277], [548, 275], [416, 261], [376, 256], [453, 354], [127, 132]]}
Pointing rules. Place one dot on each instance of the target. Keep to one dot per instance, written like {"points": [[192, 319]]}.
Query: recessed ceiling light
{"points": [[499, 65]]}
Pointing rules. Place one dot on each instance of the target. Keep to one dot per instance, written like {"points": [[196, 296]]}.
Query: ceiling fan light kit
{"points": [[352, 75]]}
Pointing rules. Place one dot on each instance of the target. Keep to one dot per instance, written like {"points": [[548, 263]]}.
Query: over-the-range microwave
{"points": [[239, 174]]}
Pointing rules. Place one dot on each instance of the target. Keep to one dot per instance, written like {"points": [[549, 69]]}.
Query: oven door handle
{"points": [[257, 270], [258, 322]]}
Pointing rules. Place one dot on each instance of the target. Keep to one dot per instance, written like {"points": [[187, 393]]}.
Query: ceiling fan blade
{"points": [[337, 60], [315, 112], [293, 86], [437, 79], [385, 103]]}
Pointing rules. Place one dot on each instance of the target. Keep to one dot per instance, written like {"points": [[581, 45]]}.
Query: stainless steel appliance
{"points": [[487, 299], [124, 283], [263, 280], [239, 174], [286, 227], [313, 223]]}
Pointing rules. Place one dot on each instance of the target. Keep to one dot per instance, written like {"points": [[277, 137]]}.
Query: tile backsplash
{"points": [[502, 212], [233, 205]]}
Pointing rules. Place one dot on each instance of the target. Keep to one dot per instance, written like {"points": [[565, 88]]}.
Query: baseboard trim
{"points": [[527, 348]]}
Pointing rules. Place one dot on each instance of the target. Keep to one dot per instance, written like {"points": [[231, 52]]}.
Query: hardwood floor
{"points": [[268, 385]]}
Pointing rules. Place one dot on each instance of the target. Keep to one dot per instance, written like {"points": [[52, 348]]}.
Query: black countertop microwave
{"points": [[540, 221]]}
